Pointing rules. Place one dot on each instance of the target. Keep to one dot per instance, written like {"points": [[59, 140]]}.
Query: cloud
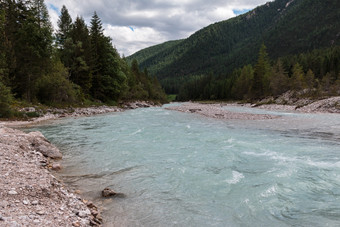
{"points": [[153, 21]]}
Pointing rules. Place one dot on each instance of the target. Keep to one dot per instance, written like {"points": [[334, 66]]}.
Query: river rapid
{"points": [[181, 169]]}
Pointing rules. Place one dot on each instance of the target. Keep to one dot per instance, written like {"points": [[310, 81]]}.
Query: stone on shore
{"points": [[107, 192], [41, 144]]}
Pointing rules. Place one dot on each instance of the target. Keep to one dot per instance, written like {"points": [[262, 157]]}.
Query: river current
{"points": [[181, 169]]}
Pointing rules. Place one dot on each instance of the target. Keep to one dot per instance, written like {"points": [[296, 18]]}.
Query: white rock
{"points": [[12, 192], [35, 202], [83, 213]]}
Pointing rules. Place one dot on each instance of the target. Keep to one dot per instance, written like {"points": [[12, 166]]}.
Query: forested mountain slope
{"points": [[284, 26]]}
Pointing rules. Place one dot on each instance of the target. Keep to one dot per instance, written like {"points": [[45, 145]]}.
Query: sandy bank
{"points": [[216, 111], [29, 193]]}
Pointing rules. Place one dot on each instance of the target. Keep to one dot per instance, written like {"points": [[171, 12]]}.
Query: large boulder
{"points": [[42, 145]]}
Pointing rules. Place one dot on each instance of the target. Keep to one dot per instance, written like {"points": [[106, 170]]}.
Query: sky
{"points": [[137, 24]]}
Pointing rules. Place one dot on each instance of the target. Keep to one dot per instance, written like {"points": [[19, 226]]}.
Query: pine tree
{"points": [[29, 34], [310, 79], [3, 63], [80, 55], [64, 27], [298, 78], [109, 81], [260, 84], [279, 82], [242, 84]]}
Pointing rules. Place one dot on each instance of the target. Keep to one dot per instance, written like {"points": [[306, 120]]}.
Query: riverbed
{"points": [[184, 169]]}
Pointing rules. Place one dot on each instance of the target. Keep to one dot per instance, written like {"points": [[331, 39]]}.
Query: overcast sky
{"points": [[136, 24]]}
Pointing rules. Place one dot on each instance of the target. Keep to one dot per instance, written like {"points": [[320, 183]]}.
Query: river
{"points": [[181, 169]]}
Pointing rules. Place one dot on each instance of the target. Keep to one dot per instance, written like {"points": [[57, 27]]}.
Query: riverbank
{"points": [[30, 194], [217, 110], [55, 113]]}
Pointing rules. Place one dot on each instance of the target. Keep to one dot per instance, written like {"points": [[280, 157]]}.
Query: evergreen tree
{"points": [[3, 63], [310, 79], [279, 82], [108, 81], [5, 93], [79, 55], [298, 78], [64, 27], [260, 84], [30, 34], [242, 84]]}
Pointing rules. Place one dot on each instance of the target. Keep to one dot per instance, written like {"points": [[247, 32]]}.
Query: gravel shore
{"points": [[216, 111], [328, 105], [29, 193]]}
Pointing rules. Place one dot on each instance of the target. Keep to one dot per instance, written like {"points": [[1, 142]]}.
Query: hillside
{"points": [[285, 26]]}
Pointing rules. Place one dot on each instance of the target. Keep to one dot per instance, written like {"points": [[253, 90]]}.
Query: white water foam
{"points": [[237, 176]]}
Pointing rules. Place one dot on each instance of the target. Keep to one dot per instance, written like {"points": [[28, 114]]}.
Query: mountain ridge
{"points": [[285, 26]]}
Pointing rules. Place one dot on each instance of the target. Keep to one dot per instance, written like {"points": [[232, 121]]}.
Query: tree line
{"points": [[76, 65], [316, 73]]}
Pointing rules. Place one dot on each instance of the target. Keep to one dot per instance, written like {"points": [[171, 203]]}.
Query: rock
{"points": [[91, 205], [76, 224], [1, 218], [12, 192], [35, 202], [56, 167], [107, 192], [3, 204], [83, 213], [41, 144], [94, 212], [40, 212], [25, 202]]}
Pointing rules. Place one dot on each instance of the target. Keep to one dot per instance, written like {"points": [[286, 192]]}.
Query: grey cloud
{"points": [[155, 14]]}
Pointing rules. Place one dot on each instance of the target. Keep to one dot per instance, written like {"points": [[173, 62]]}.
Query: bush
{"points": [[55, 88], [6, 99]]}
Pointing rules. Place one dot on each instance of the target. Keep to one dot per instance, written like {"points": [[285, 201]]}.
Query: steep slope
{"points": [[285, 26]]}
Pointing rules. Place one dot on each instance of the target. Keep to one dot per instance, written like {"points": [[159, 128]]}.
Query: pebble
{"points": [[40, 212], [1, 218], [25, 202], [35, 202], [83, 214], [56, 167], [76, 224], [12, 192]]}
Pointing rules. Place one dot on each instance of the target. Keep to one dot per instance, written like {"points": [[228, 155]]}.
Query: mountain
{"points": [[284, 26]]}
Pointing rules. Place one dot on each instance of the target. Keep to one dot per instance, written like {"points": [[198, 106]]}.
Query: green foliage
{"points": [[5, 101], [285, 74], [279, 82], [298, 81], [243, 84], [143, 87], [260, 85], [54, 88], [82, 68], [64, 25]]}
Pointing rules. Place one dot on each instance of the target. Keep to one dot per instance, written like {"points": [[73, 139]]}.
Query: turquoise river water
{"points": [[179, 169]]}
